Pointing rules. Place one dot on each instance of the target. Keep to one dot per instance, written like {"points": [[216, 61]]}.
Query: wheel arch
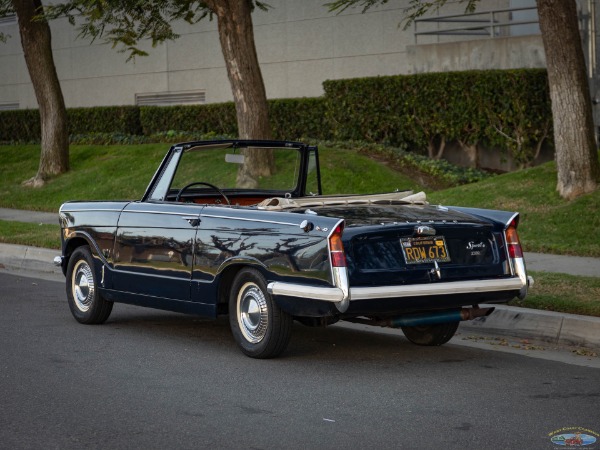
{"points": [[226, 276], [79, 240]]}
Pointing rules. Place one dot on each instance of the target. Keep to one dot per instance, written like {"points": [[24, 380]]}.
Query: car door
{"points": [[154, 250]]}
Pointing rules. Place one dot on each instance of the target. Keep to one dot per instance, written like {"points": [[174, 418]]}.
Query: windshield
{"points": [[256, 168]]}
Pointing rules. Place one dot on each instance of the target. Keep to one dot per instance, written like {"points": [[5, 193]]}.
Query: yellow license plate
{"points": [[418, 250]]}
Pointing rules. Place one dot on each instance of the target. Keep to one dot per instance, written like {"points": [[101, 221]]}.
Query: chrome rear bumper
{"points": [[336, 295]]}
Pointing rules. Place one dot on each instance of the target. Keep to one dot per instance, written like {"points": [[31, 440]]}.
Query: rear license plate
{"points": [[418, 250]]}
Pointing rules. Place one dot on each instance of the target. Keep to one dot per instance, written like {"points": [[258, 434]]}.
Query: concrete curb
{"points": [[548, 326], [21, 257], [557, 328]]}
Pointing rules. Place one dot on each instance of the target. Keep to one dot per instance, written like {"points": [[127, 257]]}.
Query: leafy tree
{"points": [[36, 43], [125, 23], [576, 153]]}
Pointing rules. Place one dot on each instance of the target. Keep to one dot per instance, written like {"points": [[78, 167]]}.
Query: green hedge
{"points": [[290, 118], [508, 109], [105, 119], [298, 118], [218, 118], [24, 125], [504, 108]]}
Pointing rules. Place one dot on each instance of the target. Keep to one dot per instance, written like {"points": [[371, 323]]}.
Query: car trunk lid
{"points": [[407, 244]]}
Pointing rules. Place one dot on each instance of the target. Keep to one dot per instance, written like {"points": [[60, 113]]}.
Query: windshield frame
{"points": [[160, 188]]}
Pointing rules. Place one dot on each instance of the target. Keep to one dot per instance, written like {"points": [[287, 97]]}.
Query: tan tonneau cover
{"points": [[409, 197]]}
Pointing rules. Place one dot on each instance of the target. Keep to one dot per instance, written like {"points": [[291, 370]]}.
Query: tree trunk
{"points": [[36, 43], [236, 34], [472, 153], [576, 153]]}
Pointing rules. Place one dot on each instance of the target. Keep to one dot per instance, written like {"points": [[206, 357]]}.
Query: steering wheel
{"points": [[212, 186]]}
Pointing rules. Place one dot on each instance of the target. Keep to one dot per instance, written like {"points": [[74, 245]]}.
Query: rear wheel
{"points": [[431, 335], [85, 302], [260, 328]]}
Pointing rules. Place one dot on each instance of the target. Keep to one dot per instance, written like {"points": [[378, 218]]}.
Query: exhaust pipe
{"points": [[432, 318]]}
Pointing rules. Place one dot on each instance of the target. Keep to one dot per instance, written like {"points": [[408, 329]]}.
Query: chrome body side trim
{"points": [[166, 213], [61, 210], [246, 219]]}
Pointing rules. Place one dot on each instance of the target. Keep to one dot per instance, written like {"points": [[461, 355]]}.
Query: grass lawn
{"points": [[97, 173], [563, 293], [350, 172], [32, 234], [123, 172], [548, 224]]}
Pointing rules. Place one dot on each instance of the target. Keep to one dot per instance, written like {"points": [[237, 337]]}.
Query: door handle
{"points": [[192, 220]]}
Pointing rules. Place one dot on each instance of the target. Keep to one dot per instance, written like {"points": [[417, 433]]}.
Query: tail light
{"points": [[336, 248], [512, 241]]}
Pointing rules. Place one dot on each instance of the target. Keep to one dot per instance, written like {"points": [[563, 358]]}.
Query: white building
{"points": [[300, 44]]}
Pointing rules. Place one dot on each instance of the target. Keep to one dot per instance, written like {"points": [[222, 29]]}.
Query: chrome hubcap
{"points": [[252, 313], [82, 286]]}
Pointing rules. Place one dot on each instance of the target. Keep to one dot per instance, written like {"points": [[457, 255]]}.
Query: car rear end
{"points": [[413, 258]]}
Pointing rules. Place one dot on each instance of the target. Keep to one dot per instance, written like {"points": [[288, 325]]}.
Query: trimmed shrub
{"points": [[298, 118], [22, 125], [505, 108], [105, 119], [217, 118], [290, 118]]}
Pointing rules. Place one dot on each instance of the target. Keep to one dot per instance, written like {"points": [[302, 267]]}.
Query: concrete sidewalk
{"points": [[572, 265], [18, 215], [557, 328]]}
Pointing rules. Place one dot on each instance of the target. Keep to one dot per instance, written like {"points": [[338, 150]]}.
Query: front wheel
{"points": [[260, 328], [431, 335], [85, 302]]}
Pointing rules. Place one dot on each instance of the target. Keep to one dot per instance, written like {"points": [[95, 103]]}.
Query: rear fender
{"points": [[226, 274], [500, 218]]}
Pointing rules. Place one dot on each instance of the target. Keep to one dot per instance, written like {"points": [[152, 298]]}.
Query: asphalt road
{"points": [[151, 379]]}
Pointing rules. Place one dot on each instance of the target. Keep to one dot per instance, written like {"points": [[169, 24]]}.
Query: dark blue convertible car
{"points": [[242, 228]]}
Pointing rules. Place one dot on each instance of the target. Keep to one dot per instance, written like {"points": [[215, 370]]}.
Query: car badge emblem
{"points": [[424, 230], [476, 248], [476, 245]]}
